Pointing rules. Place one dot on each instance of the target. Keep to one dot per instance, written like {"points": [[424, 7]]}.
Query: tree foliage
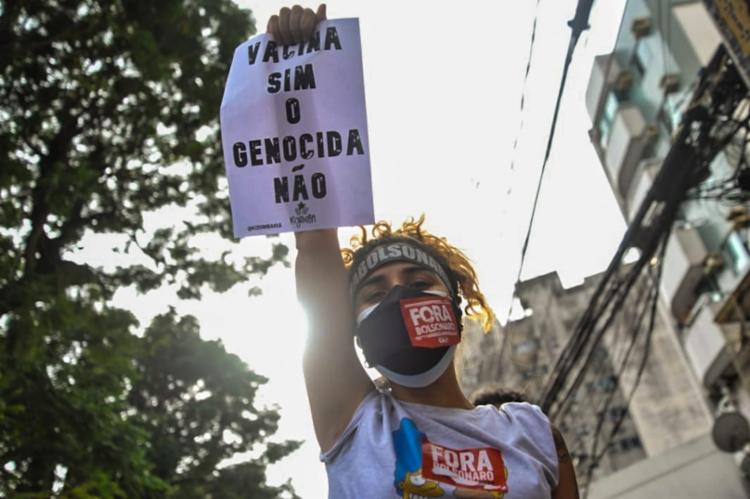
{"points": [[196, 403], [108, 114]]}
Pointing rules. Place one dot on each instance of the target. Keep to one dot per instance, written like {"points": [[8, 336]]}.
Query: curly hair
{"points": [[476, 307]]}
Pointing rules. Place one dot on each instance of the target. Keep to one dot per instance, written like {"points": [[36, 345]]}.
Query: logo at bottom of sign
{"points": [[302, 216]]}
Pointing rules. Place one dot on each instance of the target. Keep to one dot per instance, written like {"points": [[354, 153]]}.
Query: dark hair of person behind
{"points": [[497, 396]]}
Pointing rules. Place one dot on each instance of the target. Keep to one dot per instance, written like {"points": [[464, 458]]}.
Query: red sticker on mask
{"points": [[430, 321]]}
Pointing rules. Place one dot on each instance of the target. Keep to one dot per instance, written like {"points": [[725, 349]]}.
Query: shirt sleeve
{"points": [[366, 405], [539, 438]]}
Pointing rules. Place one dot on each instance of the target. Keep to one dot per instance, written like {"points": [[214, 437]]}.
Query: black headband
{"points": [[397, 251]]}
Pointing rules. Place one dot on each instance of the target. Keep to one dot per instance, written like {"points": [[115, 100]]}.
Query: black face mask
{"points": [[391, 334]]}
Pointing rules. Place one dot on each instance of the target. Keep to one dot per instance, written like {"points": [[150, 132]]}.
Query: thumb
{"points": [[320, 15]]}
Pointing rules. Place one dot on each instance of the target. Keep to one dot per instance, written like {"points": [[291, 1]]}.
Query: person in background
{"points": [[496, 395], [400, 294]]}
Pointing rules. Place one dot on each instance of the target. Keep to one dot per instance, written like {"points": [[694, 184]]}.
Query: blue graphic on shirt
{"points": [[407, 442]]}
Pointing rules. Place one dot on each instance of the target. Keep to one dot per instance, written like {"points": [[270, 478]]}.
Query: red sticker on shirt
{"points": [[430, 321], [467, 469]]}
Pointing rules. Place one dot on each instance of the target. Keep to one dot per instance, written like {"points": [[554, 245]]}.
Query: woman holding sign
{"points": [[399, 294]]}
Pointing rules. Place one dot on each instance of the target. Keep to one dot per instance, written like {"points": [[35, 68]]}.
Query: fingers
{"points": [[284, 33], [273, 27], [308, 23], [295, 25]]}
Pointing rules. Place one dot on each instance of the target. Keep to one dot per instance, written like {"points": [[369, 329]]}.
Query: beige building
{"points": [[667, 410]]}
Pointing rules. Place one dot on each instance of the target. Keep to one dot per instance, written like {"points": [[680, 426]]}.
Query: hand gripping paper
{"points": [[294, 132]]}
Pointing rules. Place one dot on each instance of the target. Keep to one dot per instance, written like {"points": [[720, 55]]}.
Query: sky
{"points": [[443, 85]]}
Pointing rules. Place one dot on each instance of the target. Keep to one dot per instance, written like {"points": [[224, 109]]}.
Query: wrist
{"points": [[316, 239]]}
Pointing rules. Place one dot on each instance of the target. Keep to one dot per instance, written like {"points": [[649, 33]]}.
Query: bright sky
{"points": [[443, 86]]}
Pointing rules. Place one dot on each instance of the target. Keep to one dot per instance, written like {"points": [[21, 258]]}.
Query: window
{"points": [[605, 383], [642, 57], [629, 443], [736, 251], [650, 141], [639, 65], [670, 113], [616, 413], [607, 119]]}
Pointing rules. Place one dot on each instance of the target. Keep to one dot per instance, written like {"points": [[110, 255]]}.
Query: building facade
{"points": [[693, 399], [635, 97], [533, 343], [666, 411]]}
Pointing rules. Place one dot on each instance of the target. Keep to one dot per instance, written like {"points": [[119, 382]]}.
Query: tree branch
{"points": [[57, 153]]}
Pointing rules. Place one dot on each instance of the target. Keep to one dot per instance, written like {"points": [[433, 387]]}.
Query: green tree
{"points": [[196, 403], [108, 113]]}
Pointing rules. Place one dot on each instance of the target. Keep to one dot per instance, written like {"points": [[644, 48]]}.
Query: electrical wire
{"points": [[577, 25], [710, 124], [590, 333], [523, 86], [683, 167], [612, 312], [614, 309], [729, 190], [649, 305], [639, 373], [522, 106], [566, 67], [609, 289]]}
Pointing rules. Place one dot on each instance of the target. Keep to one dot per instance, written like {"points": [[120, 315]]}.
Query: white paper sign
{"points": [[294, 131]]}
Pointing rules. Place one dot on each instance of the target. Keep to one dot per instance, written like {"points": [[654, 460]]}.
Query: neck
{"points": [[444, 392]]}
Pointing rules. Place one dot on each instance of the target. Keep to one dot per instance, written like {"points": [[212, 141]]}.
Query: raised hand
{"points": [[291, 26]]}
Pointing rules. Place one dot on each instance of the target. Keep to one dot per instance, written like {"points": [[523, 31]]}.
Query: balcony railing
{"points": [[645, 175], [683, 271], [733, 281], [599, 86], [628, 140], [706, 347]]}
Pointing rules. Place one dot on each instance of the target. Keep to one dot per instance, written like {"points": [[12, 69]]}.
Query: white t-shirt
{"points": [[395, 449]]}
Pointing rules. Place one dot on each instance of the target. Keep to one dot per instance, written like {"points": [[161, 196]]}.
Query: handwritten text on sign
{"points": [[294, 131]]}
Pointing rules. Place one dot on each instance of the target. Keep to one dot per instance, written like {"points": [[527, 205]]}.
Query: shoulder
{"points": [[530, 420], [524, 413]]}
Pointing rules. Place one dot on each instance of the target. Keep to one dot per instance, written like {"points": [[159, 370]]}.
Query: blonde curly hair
{"points": [[476, 307]]}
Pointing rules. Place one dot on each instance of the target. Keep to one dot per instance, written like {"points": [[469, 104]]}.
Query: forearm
{"points": [[322, 285], [320, 240], [336, 382]]}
